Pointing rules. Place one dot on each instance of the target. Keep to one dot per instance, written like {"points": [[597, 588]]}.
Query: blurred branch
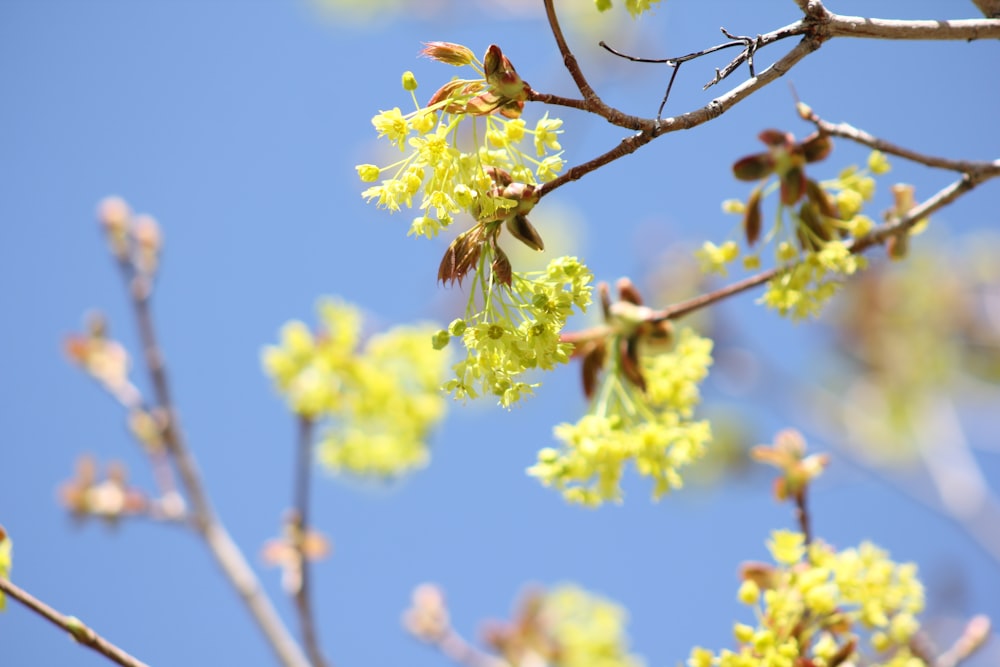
{"points": [[227, 554], [300, 529], [80, 632]]}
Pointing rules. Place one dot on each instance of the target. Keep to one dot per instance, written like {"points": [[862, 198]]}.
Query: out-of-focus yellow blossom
{"points": [[634, 7], [714, 259], [650, 429], [820, 606], [588, 629], [377, 402]]}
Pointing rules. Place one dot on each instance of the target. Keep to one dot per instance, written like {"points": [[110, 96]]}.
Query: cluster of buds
{"points": [[629, 327], [786, 159], [501, 89], [104, 359], [427, 618], [134, 240], [110, 499], [464, 252], [788, 454], [296, 543]]}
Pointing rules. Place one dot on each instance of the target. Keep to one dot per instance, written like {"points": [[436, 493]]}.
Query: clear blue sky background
{"points": [[237, 124]]}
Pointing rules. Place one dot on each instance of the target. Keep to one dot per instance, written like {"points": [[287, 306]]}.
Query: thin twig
{"points": [[81, 633], [303, 602], [802, 514], [227, 554], [847, 131]]}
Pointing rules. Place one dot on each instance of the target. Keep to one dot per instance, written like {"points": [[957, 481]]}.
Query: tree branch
{"points": [[81, 633], [227, 554], [847, 131], [300, 530]]}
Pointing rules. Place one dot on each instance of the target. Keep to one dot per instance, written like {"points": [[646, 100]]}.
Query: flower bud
{"points": [[409, 81]]}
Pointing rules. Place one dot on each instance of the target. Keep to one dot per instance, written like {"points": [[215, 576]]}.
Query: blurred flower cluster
{"points": [[379, 402], [823, 219]]}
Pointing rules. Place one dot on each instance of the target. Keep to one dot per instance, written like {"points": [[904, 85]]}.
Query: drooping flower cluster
{"points": [[822, 607], [379, 403], [824, 219], [515, 328], [446, 170], [640, 411]]}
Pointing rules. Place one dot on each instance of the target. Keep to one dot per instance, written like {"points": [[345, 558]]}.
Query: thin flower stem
{"points": [[802, 514], [227, 554], [81, 633], [303, 600]]}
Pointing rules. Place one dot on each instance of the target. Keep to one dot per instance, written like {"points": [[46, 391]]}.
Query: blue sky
{"points": [[237, 125]]}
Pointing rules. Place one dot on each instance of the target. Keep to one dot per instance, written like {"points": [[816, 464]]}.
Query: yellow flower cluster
{"points": [[651, 428], [516, 330], [378, 403], [817, 605], [634, 7], [804, 288], [825, 217], [588, 630], [449, 164]]}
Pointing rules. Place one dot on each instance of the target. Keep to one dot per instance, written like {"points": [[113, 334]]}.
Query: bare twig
{"points": [[303, 601], [847, 131], [81, 633], [802, 514], [227, 554]]}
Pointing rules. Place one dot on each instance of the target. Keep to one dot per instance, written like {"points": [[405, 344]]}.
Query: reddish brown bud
{"points": [[818, 196], [816, 147], [752, 217], [501, 269], [460, 257], [754, 167], [628, 292], [630, 362], [793, 185], [525, 232], [448, 53], [776, 138], [593, 363]]}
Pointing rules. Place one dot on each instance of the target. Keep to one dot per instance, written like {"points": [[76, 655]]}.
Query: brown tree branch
{"points": [[300, 530], [847, 131], [227, 554], [817, 26], [989, 8], [81, 633]]}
